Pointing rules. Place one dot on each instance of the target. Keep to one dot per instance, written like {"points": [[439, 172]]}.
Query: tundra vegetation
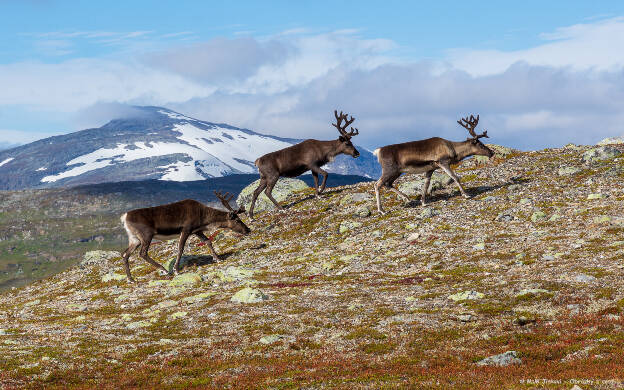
{"points": [[520, 283]]}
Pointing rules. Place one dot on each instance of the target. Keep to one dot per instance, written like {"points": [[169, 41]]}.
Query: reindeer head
{"points": [[346, 147], [232, 222], [478, 147]]}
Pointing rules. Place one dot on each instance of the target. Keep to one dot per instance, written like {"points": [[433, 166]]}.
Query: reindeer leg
{"points": [[425, 187], [126, 255], [202, 237], [385, 180], [257, 191], [446, 168], [209, 245], [315, 176], [143, 253], [183, 237], [267, 191], [215, 257], [315, 172], [377, 185]]}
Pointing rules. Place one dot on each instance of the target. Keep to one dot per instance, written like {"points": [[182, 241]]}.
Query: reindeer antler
{"points": [[470, 125], [342, 128], [225, 200]]}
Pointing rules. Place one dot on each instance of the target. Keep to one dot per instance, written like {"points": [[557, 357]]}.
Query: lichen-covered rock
{"points": [[282, 190], [345, 226], [414, 187], [249, 295], [270, 339], [355, 198], [596, 196], [186, 279], [138, 324], [362, 212], [113, 276], [566, 171], [466, 295], [611, 141], [533, 291], [503, 359], [199, 297], [538, 216], [98, 257], [601, 153]]}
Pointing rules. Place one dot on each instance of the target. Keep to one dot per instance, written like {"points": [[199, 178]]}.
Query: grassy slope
{"points": [[365, 308], [43, 232]]}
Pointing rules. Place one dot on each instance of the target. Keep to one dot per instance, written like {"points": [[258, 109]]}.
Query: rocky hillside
{"points": [[519, 287], [151, 143]]}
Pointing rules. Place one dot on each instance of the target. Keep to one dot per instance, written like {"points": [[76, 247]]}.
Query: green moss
{"points": [[377, 348]]}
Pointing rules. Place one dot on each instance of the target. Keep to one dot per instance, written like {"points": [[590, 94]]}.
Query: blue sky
{"points": [[539, 73]]}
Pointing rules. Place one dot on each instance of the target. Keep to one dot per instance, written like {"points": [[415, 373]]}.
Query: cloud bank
{"points": [[570, 88]]}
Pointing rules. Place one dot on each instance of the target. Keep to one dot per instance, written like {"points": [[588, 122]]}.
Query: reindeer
{"points": [[181, 219], [427, 156], [309, 155]]}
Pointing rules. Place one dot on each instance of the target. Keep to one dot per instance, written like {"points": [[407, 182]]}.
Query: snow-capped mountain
{"points": [[156, 143]]}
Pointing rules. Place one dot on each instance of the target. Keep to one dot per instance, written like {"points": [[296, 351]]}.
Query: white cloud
{"points": [[568, 89], [598, 45]]}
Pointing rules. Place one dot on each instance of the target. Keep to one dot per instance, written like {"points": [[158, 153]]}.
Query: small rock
{"points": [[546, 257], [413, 237], [480, 246], [249, 295], [198, 297], [270, 339], [362, 212], [538, 216], [602, 219], [466, 318], [185, 279], [522, 320], [346, 226], [33, 303], [525, 201], [355, 198], [138, 324], [466, 295], [76, 307], [534, 291], [574, 308], [98, 257], [429, 212], [503, 359], [554, 217], [596, 196], [565, 171], [504, 217], [178, 314], [584, 278], [3, 332], [113, 276]]}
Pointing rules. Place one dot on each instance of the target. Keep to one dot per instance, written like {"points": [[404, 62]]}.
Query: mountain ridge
{"points": [[155, 143]]}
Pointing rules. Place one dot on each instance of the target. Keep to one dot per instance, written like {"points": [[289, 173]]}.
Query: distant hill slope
{"points": [[156, 143], [44, 231]]}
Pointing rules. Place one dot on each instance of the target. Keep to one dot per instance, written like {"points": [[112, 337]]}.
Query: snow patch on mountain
{"points": [[6, 161], [215, 152]]}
